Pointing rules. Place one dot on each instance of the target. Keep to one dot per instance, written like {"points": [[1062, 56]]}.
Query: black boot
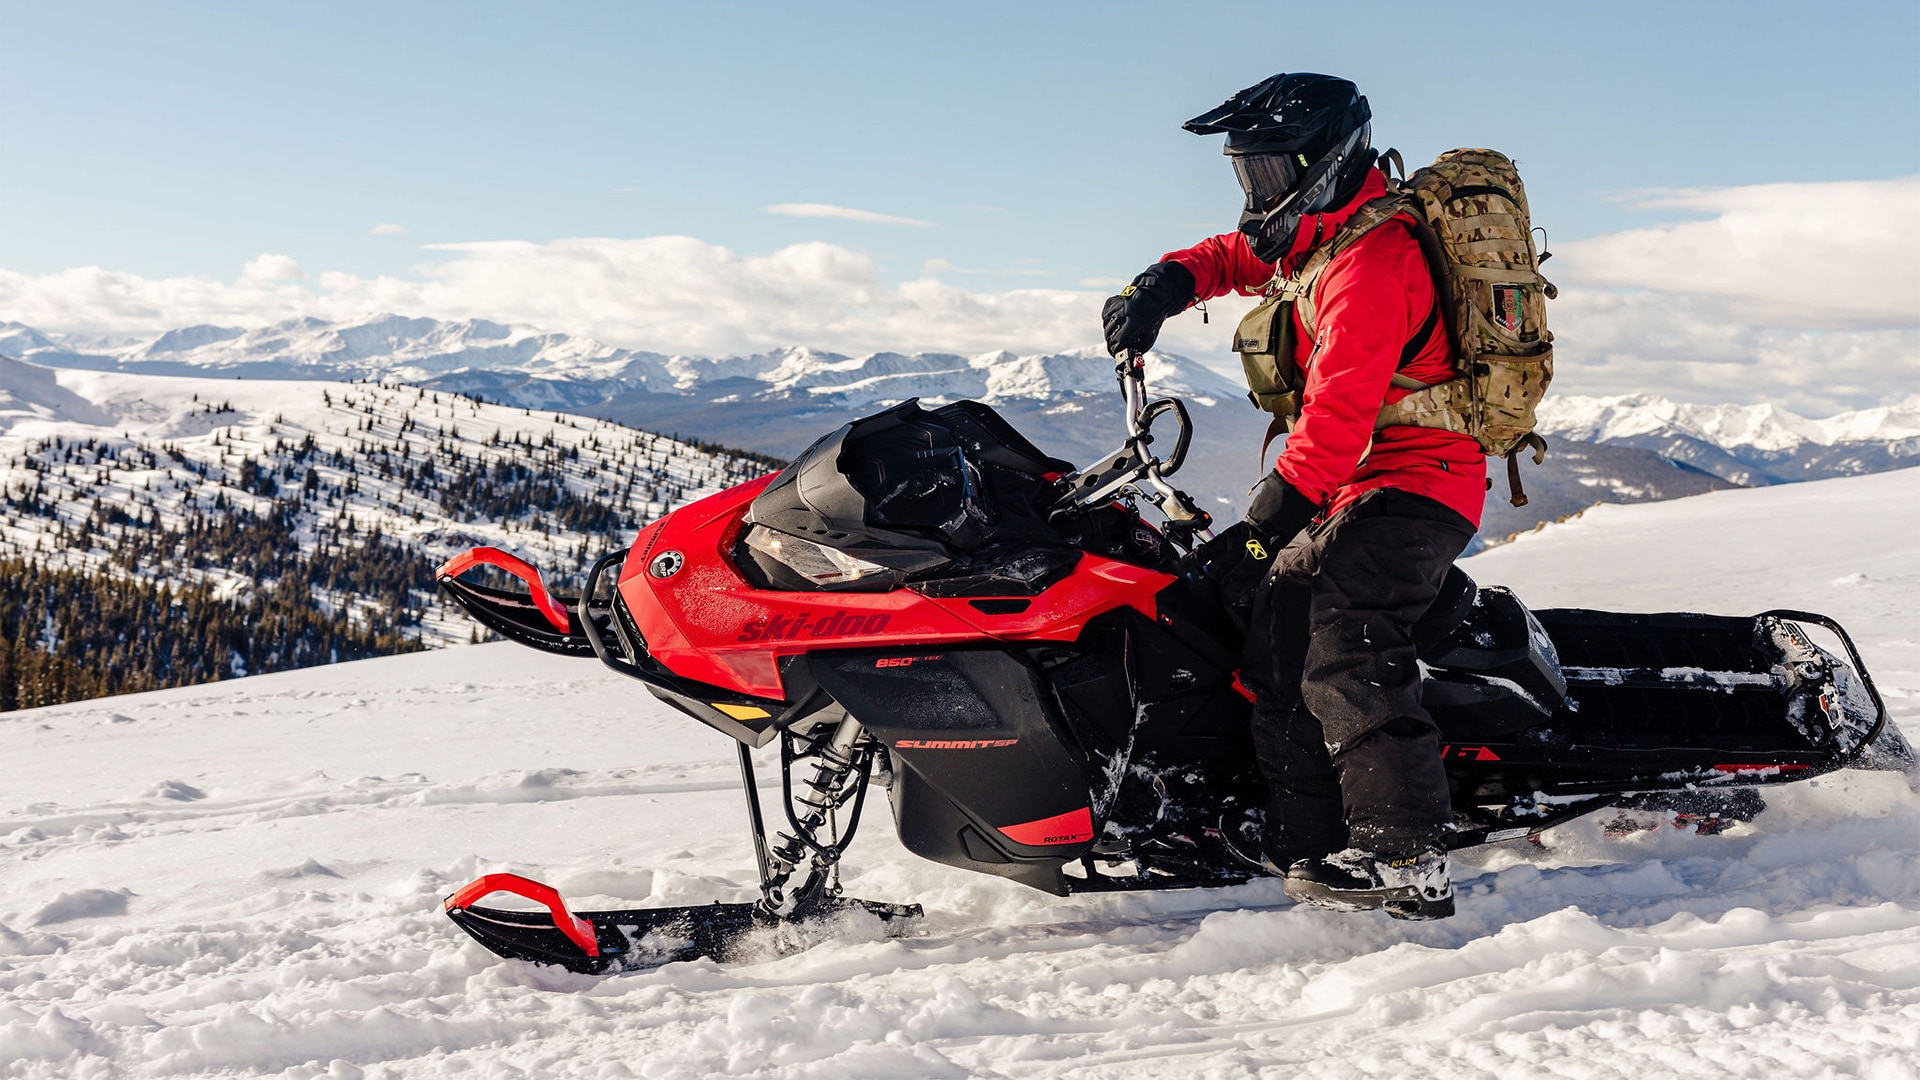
{"points": [[1414, 885]]}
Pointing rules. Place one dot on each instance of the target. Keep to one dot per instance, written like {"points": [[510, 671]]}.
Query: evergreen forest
{"points": [[269, 543]]}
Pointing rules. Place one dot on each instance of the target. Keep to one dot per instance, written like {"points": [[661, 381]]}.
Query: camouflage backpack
{"points": [[1470, 213]]}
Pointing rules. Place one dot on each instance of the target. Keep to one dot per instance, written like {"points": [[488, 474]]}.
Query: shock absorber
{"points": [[808, 812]]}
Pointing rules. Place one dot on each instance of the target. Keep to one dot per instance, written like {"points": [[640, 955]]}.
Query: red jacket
{"points": [[1369, 302]]}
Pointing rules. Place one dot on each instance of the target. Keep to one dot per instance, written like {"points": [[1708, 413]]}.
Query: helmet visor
{"points": [[1266, 178]]}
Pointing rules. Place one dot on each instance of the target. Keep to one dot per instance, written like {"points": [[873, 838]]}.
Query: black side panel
{"points": [[978, 754], [1153, 702], [1494, 671], [1161, 684]]}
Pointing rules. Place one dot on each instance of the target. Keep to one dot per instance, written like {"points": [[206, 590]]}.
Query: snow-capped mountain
{"points": [[386, 346], [576, 370], [775, 402], [1620, 449], [1750, 445]]}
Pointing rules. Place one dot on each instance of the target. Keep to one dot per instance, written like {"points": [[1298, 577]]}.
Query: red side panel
{"points": [[1072, 827], [705, 622]]}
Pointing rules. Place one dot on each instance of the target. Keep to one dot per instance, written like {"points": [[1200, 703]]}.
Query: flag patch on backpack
{"points": [[1506, 308]]}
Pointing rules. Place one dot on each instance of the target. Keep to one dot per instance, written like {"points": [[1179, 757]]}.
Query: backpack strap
{"points": [[1539, 447], [1275, 427], [1418, 341], [1370, 216], [1391, 162]]}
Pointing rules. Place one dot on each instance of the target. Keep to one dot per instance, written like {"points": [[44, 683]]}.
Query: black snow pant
{"points": [[1349, 756]]}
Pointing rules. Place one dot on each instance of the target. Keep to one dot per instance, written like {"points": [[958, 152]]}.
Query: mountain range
{"points": [[1616, 449]]}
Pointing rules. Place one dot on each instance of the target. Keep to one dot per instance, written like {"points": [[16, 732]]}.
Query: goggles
{"points": [[1267, 178]]}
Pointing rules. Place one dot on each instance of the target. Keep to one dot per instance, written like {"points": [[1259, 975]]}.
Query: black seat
{"points": [[1449, 611]]}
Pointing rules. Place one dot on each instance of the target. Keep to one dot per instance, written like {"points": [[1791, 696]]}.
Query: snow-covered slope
{"points": [[88, 458], [244, 879]]}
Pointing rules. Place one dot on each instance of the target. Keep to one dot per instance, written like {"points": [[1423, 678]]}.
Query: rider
{"points": [[1358, 805]]}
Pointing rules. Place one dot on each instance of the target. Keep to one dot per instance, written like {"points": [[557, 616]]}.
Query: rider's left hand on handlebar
{"points": [[1236, 560], [1132, 319], [1279, 508]]}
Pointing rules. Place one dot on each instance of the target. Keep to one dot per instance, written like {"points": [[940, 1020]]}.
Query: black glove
{"points": [[1132, 319], [1238, 558]]}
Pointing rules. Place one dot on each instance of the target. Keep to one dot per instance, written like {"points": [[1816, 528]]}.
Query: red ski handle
{"points": [[554, 610], [579, 930]]}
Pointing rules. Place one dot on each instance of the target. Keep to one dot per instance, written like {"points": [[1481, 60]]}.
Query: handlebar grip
{"points": [[1182, 440]]}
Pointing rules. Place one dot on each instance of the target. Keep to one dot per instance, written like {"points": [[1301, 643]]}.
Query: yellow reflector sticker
{"points": [[743, 712]]}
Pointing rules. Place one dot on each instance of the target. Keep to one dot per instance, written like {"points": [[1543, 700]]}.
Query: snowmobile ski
{"points": [[610, 942]]}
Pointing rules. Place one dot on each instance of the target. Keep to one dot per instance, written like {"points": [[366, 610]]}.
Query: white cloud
{"points": [[666, 293], [847, 213], [271, 267], [1688, 349], [387, 229], [1800, 294], [1829, 255], [1669, 309]]}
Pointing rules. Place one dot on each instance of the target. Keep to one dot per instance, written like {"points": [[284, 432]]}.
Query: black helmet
{"points": [[1299, 144]]}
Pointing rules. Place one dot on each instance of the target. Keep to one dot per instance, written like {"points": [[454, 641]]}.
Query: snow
{"points": [[244, 879], [170, 444]]}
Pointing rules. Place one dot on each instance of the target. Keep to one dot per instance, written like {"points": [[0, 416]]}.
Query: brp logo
{"points": [[666, 564]]}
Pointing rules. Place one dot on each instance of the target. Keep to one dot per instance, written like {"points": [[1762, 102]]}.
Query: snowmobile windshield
{"points": [[911, 489], [915, 476]]}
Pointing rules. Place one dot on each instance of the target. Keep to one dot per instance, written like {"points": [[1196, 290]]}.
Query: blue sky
{"points": [[1039, 144], [184, 138]]}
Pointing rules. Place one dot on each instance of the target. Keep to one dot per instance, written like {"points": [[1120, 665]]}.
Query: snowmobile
{"points": [[1010, 646]]}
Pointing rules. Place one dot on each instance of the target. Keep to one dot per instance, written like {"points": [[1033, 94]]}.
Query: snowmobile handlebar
{"points": [[1182, 440], [1134, 469], [1131, 370]]}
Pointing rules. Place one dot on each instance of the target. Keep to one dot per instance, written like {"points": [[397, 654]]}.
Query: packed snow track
{"points": [[245, 879]]}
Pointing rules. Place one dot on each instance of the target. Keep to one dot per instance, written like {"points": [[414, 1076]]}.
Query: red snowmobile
{"points": [[1007, 642]]}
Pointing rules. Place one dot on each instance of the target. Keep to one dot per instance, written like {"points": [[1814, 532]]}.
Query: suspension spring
{"points": [[818, 798]]}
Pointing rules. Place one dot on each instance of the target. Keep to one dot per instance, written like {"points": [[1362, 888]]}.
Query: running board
{"points": [[636, 939]]}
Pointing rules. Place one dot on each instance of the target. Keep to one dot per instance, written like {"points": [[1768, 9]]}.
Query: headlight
{"points": [[819, 564]]}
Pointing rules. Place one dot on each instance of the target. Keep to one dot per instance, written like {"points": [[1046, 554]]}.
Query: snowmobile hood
{"points": [[706, 622]]}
